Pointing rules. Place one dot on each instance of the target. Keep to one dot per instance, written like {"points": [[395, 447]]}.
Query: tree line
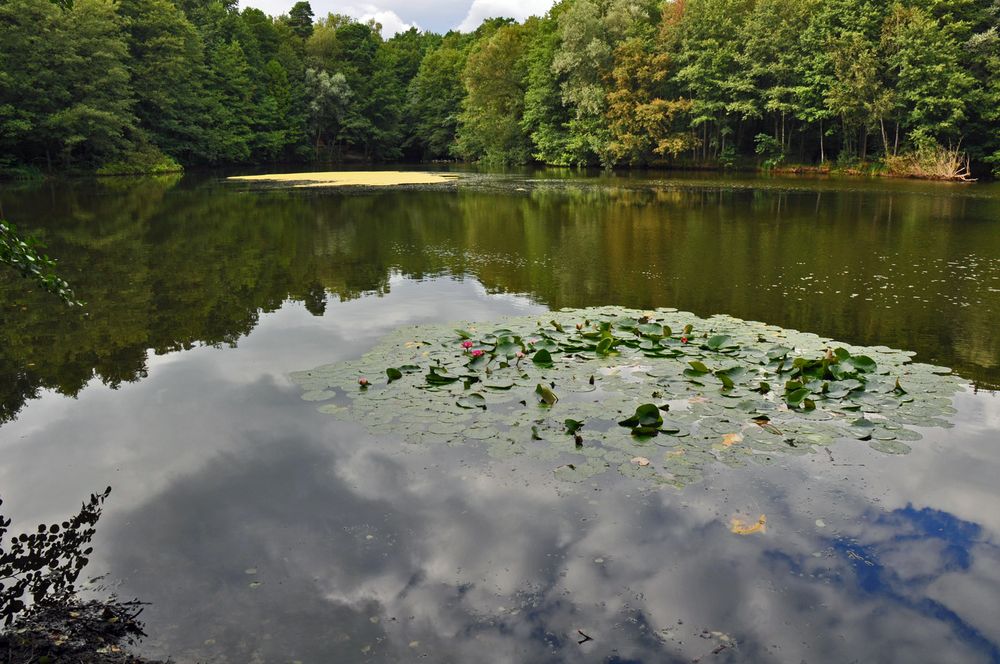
{"points": [[144, 85]]}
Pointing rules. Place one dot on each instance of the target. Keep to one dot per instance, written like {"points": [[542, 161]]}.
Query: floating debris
{"points": [[738, 527]]}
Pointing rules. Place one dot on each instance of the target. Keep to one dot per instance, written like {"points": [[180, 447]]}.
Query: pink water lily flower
{"points": [[466, 344], [519, 354], [477, 353], [684, 340], [363, 382]]}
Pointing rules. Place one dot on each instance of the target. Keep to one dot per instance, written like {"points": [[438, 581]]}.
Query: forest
{"points": [[909, 87]]}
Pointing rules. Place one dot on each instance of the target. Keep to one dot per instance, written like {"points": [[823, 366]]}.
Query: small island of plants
{"points": [[659, 394]]}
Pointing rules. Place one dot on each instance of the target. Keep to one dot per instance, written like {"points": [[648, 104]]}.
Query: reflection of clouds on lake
{"points": [[483, 561], [224, 478], [168, 423]]}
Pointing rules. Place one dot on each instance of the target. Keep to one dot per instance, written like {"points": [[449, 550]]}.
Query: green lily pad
{"points": [[614, 366], [542, 357], [719, 342], [472, 401]]}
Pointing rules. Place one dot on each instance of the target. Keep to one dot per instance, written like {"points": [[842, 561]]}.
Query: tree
{"points": [[433, 100], [228, 104], [167, 66], [583, 60], [404, 54], [489, 126], [858, 94], [328, 99], [545, 119], [708, 64], [31, 84], [300, 19], [834, 26], [271, 131], [767, 82], [931, 87], [642, 123]]}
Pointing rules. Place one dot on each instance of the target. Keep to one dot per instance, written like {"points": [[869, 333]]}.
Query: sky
{"points": [[399, 15]]}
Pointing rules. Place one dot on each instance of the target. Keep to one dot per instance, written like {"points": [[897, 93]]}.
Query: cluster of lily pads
{"points": [[657, 394]]}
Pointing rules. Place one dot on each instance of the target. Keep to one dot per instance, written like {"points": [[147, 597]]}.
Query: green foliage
{"points": [[545, 119], [582, 61], [433, 99], [769, 149], [489, 126], [89, 83], [300, 19], [711, 401], [327, 103], [144, 161], [23, 254]]}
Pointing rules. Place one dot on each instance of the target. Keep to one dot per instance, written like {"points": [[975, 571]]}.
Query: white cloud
{"points": [[519, 10], [389, 20], [436, 15], [399, 15]]}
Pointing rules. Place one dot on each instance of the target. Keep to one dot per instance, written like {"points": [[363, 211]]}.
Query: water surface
{"points": [[261, 530]]}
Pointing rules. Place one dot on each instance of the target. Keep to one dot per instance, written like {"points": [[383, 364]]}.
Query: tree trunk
{"points": [[885, 138], [822, 152], [845, 142]]}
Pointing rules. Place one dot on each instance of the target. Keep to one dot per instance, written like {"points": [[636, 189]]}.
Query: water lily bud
{"points": [[363, 382]]}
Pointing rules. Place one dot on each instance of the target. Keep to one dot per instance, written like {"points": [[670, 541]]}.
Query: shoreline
{"points": [[870, 170]]}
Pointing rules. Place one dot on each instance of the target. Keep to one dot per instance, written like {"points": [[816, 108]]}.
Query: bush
{"points": [[931, 161], [148, 161], [770, 149]]}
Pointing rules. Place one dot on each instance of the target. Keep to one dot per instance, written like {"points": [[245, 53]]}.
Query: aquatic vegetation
{"points": [[657, 395], [349, 178]]}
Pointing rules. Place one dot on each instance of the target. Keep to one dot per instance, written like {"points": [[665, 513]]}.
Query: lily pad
{"points": [[746, 392]]}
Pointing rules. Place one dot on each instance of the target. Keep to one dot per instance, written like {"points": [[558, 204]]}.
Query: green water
{"points": [[202, 296]]}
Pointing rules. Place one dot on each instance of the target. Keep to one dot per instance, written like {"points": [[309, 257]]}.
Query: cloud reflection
{"points": [[262, 531]]}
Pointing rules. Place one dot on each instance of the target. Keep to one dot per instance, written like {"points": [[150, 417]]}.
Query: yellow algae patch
{"points": [[350, 178], [739, 527]]}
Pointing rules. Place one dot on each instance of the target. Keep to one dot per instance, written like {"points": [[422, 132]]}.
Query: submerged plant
{"points": [[719, 389]]}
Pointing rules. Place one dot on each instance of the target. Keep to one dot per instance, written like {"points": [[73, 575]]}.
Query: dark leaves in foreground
{"points": [[45, 564]]}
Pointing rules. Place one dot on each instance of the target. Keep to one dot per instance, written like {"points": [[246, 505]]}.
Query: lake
{"points": [[260, 530]]}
